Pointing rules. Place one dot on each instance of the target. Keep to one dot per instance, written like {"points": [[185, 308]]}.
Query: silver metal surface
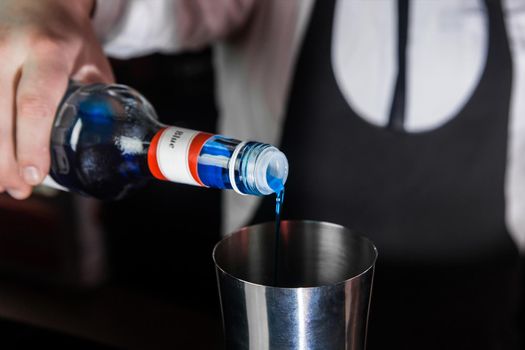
{"points": [[314, 296]]}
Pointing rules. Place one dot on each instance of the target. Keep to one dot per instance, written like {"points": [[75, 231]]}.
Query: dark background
{"points": [[161, 237]]}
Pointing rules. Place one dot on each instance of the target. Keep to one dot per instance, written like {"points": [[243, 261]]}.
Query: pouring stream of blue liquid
{"points": [[278, 186], [278, 206]]}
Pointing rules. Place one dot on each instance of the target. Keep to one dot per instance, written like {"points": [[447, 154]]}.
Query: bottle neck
{"points": [[202, 159], [173, 154]]}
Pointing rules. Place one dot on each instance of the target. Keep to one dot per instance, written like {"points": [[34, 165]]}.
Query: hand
{"points": [[43, 43]]}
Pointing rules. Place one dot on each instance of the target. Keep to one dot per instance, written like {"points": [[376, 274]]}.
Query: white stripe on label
{"points": [[231, 167], [173, 153]]}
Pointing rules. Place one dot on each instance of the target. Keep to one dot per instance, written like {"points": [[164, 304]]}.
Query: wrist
{"points": [[80, 8], [88, 7], [92, 8]]}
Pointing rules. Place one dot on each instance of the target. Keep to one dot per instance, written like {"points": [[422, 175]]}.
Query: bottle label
{"points": [[173, 155]]}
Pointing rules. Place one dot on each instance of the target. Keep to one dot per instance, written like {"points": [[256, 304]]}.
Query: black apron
{"points": [[433, 202]]}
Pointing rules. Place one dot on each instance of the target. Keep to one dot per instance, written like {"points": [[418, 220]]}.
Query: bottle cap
{"points": [[271, 171]]}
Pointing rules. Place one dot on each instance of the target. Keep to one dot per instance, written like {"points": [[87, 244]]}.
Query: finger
{"points": [[9, 176], [18, 193], [41, 87], [93, 65], [90, 73]]}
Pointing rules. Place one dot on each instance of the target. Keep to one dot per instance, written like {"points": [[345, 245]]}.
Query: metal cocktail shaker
{"points": [[313, 293]]}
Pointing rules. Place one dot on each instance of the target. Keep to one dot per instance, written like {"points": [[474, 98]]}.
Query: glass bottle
{"points": [[106, 139]]}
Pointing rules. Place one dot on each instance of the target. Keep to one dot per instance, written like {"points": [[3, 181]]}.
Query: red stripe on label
{"points": [[193, 154], [153, 164]]}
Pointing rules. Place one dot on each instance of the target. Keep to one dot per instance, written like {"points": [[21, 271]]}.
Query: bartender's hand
{"points": [[42, 44]]}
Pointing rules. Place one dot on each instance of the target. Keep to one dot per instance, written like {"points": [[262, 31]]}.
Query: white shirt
{"points": [[256, 44]]}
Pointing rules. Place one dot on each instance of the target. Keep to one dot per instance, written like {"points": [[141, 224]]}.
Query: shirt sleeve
{"points": [[130, 28]]}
